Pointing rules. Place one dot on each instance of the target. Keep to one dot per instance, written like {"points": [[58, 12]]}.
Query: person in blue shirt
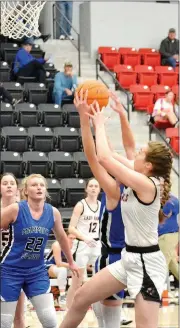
{"points": [[65, 84], [28, 66], [168, 234]]}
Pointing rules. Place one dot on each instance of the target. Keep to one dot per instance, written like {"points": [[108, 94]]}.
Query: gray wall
{"points": [[122, 24], [85, 26]]}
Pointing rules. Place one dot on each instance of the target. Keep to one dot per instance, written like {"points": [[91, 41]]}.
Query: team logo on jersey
{"points": [[124, 197]]}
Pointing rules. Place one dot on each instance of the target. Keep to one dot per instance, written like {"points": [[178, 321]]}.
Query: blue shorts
{"points": [[102, 262], [33, 281]]}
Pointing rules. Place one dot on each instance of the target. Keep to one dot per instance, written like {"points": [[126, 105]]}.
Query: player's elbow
{"points": [[71, 229], [103, 159]]}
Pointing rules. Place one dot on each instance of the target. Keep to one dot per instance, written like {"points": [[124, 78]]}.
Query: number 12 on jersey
{"points": [[92, 227]]}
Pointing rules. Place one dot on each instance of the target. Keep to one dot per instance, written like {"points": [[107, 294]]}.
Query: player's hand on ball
{"points": [[80, 101], [97, 116], [74, 268], [117, 106]]}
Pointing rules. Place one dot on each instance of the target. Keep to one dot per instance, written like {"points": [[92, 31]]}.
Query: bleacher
{"points": [[140, 72]]}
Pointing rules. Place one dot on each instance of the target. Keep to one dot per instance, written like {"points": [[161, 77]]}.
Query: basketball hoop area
{"points": [[20, 18]]}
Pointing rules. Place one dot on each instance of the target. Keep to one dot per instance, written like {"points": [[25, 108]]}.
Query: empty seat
{"points": [[125, 75], [42, 139], [36, 93], [66, 214], [12, 162], [74, 191], [130, 56], [83, 170], [55, 192], [9, 51], [71, 116], [68, 139], [36, 162], [159, 91], [63, 165], [52, 115], [15, 89], [7, 115], [27, 115], [150, 56], [167, 76], [4, 72], [16, 139], [110, 56], [142, 96], [173, 135], [146, 75], [51, 69]]}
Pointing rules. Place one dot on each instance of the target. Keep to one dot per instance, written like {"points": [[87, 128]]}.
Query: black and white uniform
{"points": [[142, 267], [88, 225], [4, 236]]}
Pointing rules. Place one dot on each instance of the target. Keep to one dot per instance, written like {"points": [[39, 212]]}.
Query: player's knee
{"points": [[80, 300], [48, 318], [6, 320]]}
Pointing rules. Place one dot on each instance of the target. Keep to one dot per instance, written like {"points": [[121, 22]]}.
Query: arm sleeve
{"points": [[58, 83], [40, 60], [168, 208], [75, 83], [163, 51]]}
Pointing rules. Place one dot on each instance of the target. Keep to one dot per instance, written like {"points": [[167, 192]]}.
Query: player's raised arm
{"points": [[8, 215], [107, 183]]}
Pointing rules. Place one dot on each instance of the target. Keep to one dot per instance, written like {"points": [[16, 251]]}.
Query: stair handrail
{"points": [[78, 46], [98, 76], [151, 128]]}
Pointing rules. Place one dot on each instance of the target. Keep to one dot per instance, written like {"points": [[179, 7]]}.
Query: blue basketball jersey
{"points": [[111, 225], [28, 237], [50, 259]]}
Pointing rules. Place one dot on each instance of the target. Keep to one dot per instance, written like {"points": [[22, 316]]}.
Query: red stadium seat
{"points": [[125, 75], [142, 96], [175, 89], [146, 75], [167, 76], [130, 56], [173, 135], [110, 56], [162, 124], [150, 57], [159, 91]]}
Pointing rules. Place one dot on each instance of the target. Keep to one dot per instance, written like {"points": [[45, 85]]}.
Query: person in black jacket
{"points": [[169, 49]]}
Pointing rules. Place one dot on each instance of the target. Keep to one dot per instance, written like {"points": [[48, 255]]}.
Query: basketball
{"points": [[96, 91]]}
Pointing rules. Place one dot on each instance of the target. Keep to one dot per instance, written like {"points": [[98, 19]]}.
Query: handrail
{"points": [[152, 127], [99, 62], [78, 46]]}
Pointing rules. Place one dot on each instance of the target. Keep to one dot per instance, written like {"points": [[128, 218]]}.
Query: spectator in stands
{"points": [[168, 234], [64, 8], [6, 96], [65, 84], [176, 108], [28, 66], [164, 109], [169, 49]]}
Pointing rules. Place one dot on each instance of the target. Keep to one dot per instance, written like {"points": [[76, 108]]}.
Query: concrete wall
{"points": [[122, 24]]}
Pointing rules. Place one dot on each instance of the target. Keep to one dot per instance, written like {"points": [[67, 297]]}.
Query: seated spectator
{"points": [[6, 96], [169, 49], [65, 84], [176, 108], [164, 109], [28, 66]]}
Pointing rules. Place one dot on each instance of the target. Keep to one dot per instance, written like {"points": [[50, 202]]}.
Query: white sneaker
{"points": [[62, 37], [71, 37]]}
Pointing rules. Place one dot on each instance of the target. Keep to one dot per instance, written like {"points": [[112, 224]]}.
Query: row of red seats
{"points": [[129, 56], [147, 75], [173, 135], [144, 96]]}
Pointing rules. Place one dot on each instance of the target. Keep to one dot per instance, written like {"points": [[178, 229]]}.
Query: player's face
{"points": [[36, 189], [140, 164], [93, 188], [8, 187]]}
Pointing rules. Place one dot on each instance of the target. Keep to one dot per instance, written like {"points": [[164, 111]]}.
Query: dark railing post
{"points": [[97, 69], [79, 54], [54, 22]]}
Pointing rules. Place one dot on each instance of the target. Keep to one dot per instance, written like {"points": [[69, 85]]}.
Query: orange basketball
{"points": [[96, 91]]}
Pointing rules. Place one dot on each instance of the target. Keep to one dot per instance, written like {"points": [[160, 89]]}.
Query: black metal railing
{"points": [[76, 44], [151, 128], [99, 64]]}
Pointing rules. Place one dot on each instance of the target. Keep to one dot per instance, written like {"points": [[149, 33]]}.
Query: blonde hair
{"points": [[24, 184], [159, 155]]}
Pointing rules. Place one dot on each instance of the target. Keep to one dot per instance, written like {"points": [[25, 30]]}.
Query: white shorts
{"points": [[145, 273], [84, 254]]}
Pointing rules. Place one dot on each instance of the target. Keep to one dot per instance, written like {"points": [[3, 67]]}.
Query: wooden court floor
{"points": [[168, 318]]}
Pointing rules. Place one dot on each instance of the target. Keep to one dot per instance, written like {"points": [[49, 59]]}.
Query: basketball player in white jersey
{"points": [[84, 225], [142, 267], [10, 195]]}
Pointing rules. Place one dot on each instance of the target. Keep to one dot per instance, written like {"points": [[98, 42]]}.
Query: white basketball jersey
{"points": [[88, 223], [140, 220]]}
